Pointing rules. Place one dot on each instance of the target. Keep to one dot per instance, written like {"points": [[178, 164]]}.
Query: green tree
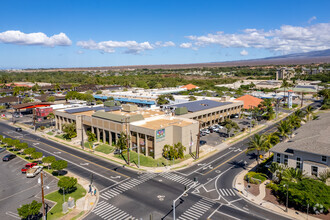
{"points": [[284, 129], [27, 100], [27, 210], [98, 92], [22, 146], [36, 155], [257, 143], [67, 183], [99, 102], [91, 136], [59, 165], [180, 149], [276, 169], [51, 116], [293, 175], [48, 160], [29, 151], [271, 140], [57, 87], [70, 130], [309, 113], [285, 85], [164, 99], [192, 98], [121, 142], [50, 99]]}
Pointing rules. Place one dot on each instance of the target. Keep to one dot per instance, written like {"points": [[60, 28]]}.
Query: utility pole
{"points": [[198, 140], [42, 195], [34, 119]]}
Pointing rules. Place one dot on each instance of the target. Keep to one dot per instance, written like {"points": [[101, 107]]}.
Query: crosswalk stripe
{"points": [[197, 210], [107, 211], [125, 186]]}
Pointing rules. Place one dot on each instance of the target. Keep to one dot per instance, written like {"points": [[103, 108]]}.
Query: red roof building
{"points": [[190, 87], [250, 101]]}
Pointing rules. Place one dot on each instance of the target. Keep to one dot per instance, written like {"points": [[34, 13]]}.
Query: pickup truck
{"points": [[28, 166], [32, 172]]}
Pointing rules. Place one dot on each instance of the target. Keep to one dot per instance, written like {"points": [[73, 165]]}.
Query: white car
{"points": [[216, 130], [206, 131], [32, 172]]}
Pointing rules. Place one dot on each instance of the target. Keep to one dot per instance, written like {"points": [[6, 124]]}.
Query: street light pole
{"points": [[174, 201]]}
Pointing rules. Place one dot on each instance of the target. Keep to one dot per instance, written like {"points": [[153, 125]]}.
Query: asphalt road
{"points": [[128, 194]]}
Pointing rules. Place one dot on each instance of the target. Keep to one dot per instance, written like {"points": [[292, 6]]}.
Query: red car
{"points": [[28, 166]]}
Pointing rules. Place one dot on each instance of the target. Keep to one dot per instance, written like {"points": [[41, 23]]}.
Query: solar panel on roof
{"points": [[76, 110], [200, 105]]}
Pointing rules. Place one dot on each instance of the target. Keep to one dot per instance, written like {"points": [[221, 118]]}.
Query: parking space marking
{"points": [[12, 214], [18, 193]]}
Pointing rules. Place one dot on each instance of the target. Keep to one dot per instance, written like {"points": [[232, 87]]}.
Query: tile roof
{"points": [[190, 87], [250, 101]]}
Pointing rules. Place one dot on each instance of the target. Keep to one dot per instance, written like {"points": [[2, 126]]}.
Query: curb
{"points": [[93, 207]]}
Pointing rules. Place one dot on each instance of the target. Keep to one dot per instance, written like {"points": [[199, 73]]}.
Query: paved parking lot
{"points": [[17, 189]]}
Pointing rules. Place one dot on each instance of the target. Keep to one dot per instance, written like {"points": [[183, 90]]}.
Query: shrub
{"points": [[272, 186], [254, 177]]}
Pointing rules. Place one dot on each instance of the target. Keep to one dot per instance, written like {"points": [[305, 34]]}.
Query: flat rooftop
{"points": [[145, 113], [201, 105], [164, 122]]}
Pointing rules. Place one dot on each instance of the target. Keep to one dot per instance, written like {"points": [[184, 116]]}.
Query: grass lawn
{"points": [[61, 137], [56, 211], [149, 161], [104, 148], [50, 133]]}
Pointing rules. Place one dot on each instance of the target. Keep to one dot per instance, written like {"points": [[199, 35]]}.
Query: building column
{"points": [[138, 140], [110, 138], [56, 122], [98, 134], [146, 145], [104, 136]]}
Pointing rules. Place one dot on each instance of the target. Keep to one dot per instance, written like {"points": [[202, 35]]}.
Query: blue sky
{"points": [[62, 33]]}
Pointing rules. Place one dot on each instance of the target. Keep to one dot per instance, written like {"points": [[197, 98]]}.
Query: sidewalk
{"points": [[239, 185], [85, 204]]}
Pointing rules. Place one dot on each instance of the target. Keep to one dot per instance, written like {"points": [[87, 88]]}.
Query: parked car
{"points": [[203, 133], [28, 166], [216, 130], [8, 157], [249, 118], [32, 172], [18, 129], [206, 130], [2, 149]]}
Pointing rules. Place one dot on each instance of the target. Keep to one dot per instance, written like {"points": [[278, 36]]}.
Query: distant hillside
{"points": [[322, 56]]}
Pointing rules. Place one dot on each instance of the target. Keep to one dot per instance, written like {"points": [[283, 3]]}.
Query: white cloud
{"points": [[311, 19], [287, 39], [244, 53], [80, 52], [165, 44], [186, 45], [39, 38]]}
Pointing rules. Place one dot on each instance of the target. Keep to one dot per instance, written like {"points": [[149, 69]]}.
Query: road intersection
{"points": [[131, 194]]}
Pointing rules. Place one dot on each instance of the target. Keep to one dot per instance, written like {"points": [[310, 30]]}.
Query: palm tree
{"points": [[284, 129], [257, 143], [293, 175], [271, 140], [295, 121], [309, 113], [57, 87], [324, 176], [51, 116], [276, 169], [299, 113], [285, 85]]}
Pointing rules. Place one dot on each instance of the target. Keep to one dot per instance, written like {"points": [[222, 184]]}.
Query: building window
{"points": [[298, 165], [286, 159], [278, 158], [314, 170], [324, 158]]}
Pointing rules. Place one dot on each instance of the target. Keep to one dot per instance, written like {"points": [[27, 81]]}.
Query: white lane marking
{"points": [[12, 214], [77, 165], [208, 164]]}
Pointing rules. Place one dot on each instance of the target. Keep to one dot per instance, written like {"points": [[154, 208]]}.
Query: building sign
{"points": [[160, 134]]}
